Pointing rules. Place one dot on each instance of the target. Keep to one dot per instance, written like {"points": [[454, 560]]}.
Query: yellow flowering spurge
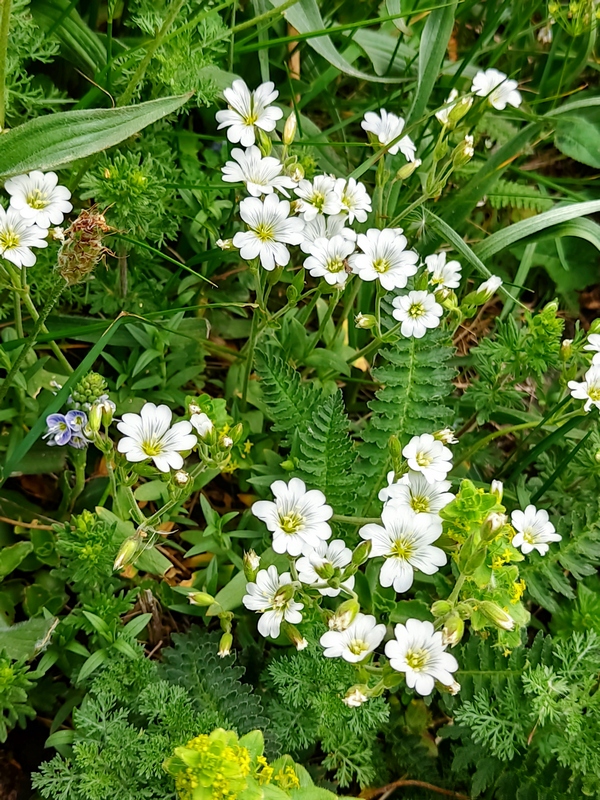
{"points": [[575, 16], [476, 522], [222, 766]]}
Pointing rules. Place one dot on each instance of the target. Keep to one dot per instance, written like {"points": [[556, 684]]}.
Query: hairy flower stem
{"points": [[456, 591], [355, 520], [17, 305], [56, 292], [5, 7]]}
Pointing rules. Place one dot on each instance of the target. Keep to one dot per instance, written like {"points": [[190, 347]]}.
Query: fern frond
{"points": [[508, 194], [327, 454], [289, 402], [417, 384]]}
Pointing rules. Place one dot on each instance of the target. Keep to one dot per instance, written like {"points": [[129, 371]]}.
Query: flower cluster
{"points": [[589, 388], [37, 201]]}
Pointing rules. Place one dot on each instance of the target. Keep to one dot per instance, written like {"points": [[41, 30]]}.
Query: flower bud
{"points": [[236, 432], [361, 552], [496, 615], [440, 608], [283, 595], [290, 128], [201, 599], [225, 244], [83, 246], [181, 478], [226, 442], [497, 489], [566, 349], [365, 321], [489, 288], [407, 169], [441, 149], [463, 153], [344, 615], [356, 696], [128, 553], [95, 418], [251, 565], [446, 436], [453, 630], [225, 645], [395, 447], [325, 571], [492, 526], [294, 636], [297, 174], [202, 423], [454, 688], [263, 140], [292, 294], [194, 408]]}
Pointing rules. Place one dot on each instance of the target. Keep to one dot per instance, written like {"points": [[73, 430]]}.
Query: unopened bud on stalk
{"points": [[297, 173], [236, 432], [356, 696], [454, 688], [95, 418], [181, 478], [395, 447], [263, 141], [458, 111], [497, 489], [496, 615], [365, 321], [294, 636], [446, 436], [344, 615], [440, 608], [325, 571], [83, 246], [453, 630], [566, 349], [201, 422], [463, 153], [226, 442], [225, 645], [407, 169], [290, 128], [225, 244], [201, 599], [492, 526], [283, 595], [251, 565], [489, 288], [361, 552], [128, 553]]}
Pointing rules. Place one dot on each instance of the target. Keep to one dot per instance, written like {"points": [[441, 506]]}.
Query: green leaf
{"points": [[52, 140], [432, 49], [153, 561], [25, 639], [78, 44], [91, 665], [578, 137], [306, 18], [11, 557]]}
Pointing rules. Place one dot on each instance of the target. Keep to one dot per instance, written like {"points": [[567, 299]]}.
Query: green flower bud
{"points": [[440, 608], [395, 447], [225, 645], [497, 489], [361, 552], [202, 599], [566, 349], [251, 565], [344, 615], [264, 142], [294, 636], [284, 595], [128, 553], [290, 128], [496, 615], [95, 418], [453, 630], [365, 321], [492, 526], [407, 169], [325, 571]]}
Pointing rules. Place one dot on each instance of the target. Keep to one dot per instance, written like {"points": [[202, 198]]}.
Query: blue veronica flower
{"points": [[67, 429]]}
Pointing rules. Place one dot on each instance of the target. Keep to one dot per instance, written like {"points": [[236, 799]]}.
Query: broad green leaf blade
{"points": [[534, 225], [11, 557], [578, 137], [56, 139], [432, 49], [25, 639], [78, 43], [306, 18]]}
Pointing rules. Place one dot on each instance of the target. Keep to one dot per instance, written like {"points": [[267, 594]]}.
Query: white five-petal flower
{"points": [[444, 274], [269, 597], [588, 389], [497, 87], [248, 110], [202, 423], [417, 311], [321, 227], [38, 198], [149, 435], [328, 259], [297, 518], [413, 492], [384, 258], [534, 530], [17, 236], [270, 229], [353, 198], [430, 457], [419, 652], [317, 197], [387, 127], [489, 287], [355, 643], [261, 175], [443, 115], [405, 541], [334, 554], [594, 345]]}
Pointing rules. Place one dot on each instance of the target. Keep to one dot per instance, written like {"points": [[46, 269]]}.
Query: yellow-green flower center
{"points": [[416, 310], [9, 240], [420, 504], [318, 200], [358, 646], [335, 265], [37, 199], [417, 659], [423, 459], [381, 265], [291, 522], [152, 447], [265, 232], [402, 548], [528, 536], [594, 393]]}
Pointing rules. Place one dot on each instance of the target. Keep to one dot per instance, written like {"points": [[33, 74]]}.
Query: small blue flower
{"points": [[76, 420], [67, 429]]}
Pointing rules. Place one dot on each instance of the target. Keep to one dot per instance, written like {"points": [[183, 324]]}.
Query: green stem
{"points": [[249, 357], [56, 292], [79, 460], [355, 520], [456, 591], [5, 6], [347, 307], [152, 47], [326, 317], [494, 435], [17, 304]]}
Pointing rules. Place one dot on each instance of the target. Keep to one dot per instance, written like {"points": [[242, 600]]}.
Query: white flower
{"points": [[405, 541], [413, 492], [355, 697], [321, 227], [247, 111], [489, 287], [269, 597], [418, 651], [386, 128], [354, 644], [443, 115], [328, 259], [149, 435], [544, 34], [261, 175], [588, 389], [18, 236], [335, 554], [594, 345], [354, 199], [444, 275], [297, 518], [202, 423], [317, 197], [427, 455], [417, 311], [384, 258], [498, 89], [271, 228], [534, 530], [38, 198]]}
